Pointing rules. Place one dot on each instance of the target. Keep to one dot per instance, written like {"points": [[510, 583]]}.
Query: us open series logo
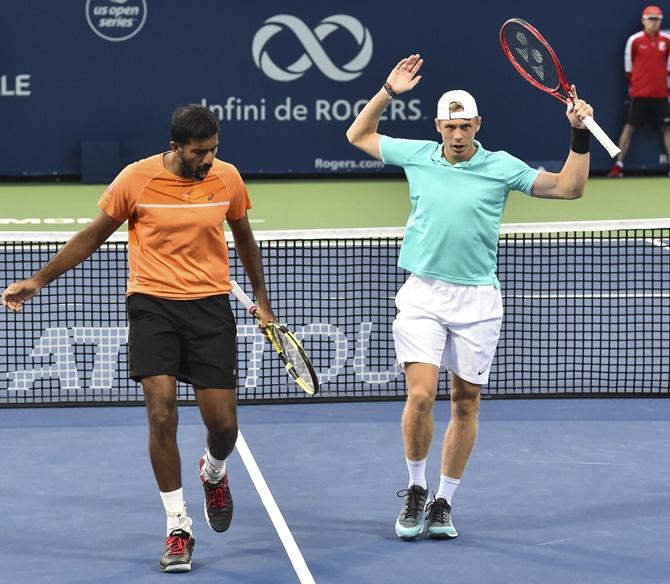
{"points": [[116, 20]]}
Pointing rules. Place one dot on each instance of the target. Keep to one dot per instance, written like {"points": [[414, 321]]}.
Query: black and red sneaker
{"points": [[616, 171], [178, 549], [218, 501]]}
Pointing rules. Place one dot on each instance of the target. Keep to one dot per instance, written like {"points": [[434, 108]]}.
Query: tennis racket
{"points": [[535, 60], [287, 345]]}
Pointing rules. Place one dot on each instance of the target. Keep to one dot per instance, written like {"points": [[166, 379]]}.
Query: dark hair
{"points": [[193, 122]]}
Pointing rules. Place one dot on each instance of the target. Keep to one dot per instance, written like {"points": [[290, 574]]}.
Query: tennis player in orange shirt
{"points": [[181, 325]]}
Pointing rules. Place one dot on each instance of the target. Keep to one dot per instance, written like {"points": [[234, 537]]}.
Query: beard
{"points": [[201, 171], [198, 172]]}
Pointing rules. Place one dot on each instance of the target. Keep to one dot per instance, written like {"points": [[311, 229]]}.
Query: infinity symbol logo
{"points": [[314, 53]]}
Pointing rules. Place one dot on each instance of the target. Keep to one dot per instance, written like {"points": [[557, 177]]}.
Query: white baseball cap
{"points": [[456, 97]]}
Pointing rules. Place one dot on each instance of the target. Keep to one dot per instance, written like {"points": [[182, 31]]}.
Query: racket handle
{"points": [[242, 297], [599, 134]]}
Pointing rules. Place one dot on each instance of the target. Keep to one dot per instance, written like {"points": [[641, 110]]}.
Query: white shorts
{"points": [[448, 325]]}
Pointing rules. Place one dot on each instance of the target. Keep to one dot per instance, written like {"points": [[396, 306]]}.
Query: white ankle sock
{"points": [[447, 488], [181, 521], [417, 472], [175, 509], [213, 469]]}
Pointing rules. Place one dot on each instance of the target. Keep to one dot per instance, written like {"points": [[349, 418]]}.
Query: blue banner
{"points": [[287, 78]]}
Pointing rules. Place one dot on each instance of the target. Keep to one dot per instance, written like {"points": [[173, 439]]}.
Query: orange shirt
{"points": [[176, 246]]}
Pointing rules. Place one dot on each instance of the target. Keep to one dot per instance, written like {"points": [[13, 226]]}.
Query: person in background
{"points": [[647, 65]]}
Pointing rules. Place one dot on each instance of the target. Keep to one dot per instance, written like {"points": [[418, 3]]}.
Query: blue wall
{"points": [[63, 83]]}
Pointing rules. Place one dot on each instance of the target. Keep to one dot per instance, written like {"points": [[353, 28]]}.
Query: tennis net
{"points": [[587, 312]]}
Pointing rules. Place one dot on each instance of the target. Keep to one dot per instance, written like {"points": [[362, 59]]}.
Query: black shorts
{"points": [[192, 340], [649, 110]]}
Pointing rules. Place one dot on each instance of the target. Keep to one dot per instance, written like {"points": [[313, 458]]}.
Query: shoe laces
{"points": [[177, 542], [438, 510], [216, 496], [413, 505]]}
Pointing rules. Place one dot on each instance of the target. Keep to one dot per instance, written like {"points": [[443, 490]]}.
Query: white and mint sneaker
{"points": [[438, 517], [411, 521]]}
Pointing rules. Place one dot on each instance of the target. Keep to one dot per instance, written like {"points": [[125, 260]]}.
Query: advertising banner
{"points": [[95, 81]]}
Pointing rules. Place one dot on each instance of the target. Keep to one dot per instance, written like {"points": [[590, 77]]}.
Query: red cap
{"points": [[652, 11]]}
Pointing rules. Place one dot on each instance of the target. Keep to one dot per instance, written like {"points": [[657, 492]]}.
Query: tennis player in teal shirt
{"points": [[450, 308]]}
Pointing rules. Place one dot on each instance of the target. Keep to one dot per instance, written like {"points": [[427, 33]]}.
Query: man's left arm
{"points": [[571, 181], [250, 256]]}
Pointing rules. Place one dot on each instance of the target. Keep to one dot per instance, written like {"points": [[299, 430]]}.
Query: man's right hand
{"points": [[18, 292], [404, 76]]}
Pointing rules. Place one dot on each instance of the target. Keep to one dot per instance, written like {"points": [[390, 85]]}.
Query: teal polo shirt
{"points": [[453, 229]]}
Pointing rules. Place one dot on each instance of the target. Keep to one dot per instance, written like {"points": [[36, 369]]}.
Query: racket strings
{"points": [[532, 56], [296, 358], [290, 347]]}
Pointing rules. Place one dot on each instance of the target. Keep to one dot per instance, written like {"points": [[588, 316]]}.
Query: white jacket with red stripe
{"points": [[647, 62]]}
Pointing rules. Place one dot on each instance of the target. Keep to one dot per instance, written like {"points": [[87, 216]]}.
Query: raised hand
{"points": [[404, 75], [578, 110]]}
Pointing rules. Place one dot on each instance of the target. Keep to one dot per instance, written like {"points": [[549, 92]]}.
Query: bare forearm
{"points": [[250, 256], [574, 174], [367, 121], [363, 132], [75, 251], [571, 181]]}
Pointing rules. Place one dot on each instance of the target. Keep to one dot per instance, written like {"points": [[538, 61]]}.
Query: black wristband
{"points": [[389, 90], [580, 141]]}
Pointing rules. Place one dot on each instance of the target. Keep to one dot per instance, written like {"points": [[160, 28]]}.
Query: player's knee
{"points": [[163, 420], [465, 404], [420, 399]]}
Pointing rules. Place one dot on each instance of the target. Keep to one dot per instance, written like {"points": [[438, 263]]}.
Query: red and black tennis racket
{"points": [[537, 63]]}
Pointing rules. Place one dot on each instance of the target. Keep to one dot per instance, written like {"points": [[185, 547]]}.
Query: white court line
{"points": [[553, 541], [587, 296], [291, 547], [662, 243]]}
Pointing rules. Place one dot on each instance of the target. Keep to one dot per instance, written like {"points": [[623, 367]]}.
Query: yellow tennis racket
{"points": [[287, 346]]}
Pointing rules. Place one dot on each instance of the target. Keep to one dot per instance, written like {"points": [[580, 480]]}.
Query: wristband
{"points": [[580, 141], [389, 90]]}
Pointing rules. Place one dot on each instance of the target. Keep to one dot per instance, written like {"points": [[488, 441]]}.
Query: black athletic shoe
{"points": [[410, 522], [438, 516], [178, 548], [218, 502]]}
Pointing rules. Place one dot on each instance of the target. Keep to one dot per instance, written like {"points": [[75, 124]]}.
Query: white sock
{"points": [[213, 469], [175, 509], [619, 163], [447, 488], [417, 472]]}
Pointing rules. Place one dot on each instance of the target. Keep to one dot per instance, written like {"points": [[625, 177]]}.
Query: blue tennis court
{"points": [[556, 490]]}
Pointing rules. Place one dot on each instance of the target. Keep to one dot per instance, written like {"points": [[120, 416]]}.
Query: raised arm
{"points": [[363, 131], [571, 181], [75, 251]]}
